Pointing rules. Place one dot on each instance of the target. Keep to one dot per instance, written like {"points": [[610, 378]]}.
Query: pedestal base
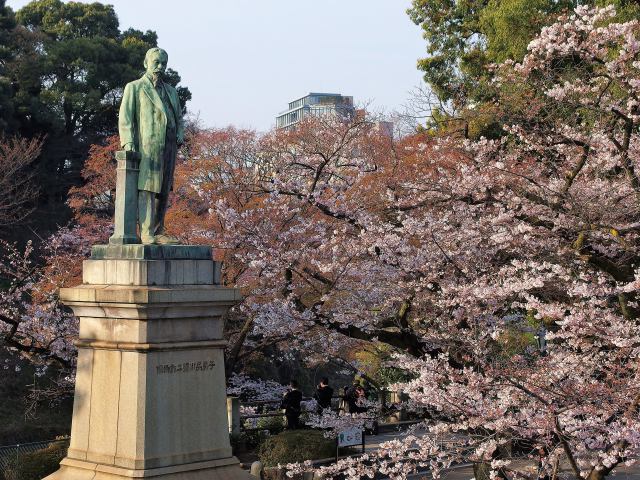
{"points": [[223, 469], [150, 397]]}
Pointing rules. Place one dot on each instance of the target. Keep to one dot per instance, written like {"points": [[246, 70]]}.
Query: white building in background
{"points": [[316, 104], [384, 127]]}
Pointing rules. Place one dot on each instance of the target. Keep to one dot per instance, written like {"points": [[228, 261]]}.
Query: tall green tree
{"points": [[67, 81], [464, 37], [7, 25]]}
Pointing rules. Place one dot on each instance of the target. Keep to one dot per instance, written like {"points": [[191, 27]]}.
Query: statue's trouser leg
{"points": [[147, 214], [162, 209], [168, 166]]}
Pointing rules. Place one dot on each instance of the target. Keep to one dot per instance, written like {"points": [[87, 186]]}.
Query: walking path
{"points": [[465, 472]]}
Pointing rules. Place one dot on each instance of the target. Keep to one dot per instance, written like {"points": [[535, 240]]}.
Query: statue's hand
{"points": [[128, 147]]}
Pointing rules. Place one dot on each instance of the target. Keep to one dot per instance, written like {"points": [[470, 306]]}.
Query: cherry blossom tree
{"points": [[502, 271], [33, 323], [17, 187], [255, 390]]}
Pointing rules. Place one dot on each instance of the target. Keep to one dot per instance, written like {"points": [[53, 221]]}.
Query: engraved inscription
{"points": [[186, 367]]}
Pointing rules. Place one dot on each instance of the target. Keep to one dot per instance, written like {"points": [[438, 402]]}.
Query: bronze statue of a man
{"points": [[150, 122]]}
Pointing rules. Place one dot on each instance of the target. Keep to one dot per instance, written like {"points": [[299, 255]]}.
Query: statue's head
{"points": [[155, 62]]}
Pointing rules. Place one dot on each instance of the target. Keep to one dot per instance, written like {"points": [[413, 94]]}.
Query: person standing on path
{"points": [[291, 405], [323, 395], [349, 397]]}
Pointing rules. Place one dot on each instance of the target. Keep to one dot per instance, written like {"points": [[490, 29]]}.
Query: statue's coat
{"points": [[143, 123]]}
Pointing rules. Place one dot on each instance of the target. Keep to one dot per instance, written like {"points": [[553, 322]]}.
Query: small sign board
{"points": [[348, 438]]}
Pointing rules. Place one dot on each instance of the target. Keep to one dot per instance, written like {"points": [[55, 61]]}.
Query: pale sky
{"points": [[244, 60]]}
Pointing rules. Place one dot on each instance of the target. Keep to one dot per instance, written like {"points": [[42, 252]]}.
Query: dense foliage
{"points": [[63, 66], [464, 39], [295, 446]]}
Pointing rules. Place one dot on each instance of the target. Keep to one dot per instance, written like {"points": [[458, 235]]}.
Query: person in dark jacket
{"points": [[323, 395], [359, 400], [291, 405], [350, 395]]}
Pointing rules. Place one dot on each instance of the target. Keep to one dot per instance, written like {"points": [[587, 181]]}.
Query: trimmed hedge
{"points": [[296, 446]]}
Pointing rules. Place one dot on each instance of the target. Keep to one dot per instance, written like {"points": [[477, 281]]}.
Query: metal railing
{"points": [[12, 453], [270, 408]]}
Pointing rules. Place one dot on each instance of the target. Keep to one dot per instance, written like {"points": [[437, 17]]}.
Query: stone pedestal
{"points": [[150, 389], [125, 220]]}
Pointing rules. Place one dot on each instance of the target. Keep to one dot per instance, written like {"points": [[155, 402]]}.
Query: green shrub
{"points": [[273, 424], [38, 464], [296, 446], [246, 441]]}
